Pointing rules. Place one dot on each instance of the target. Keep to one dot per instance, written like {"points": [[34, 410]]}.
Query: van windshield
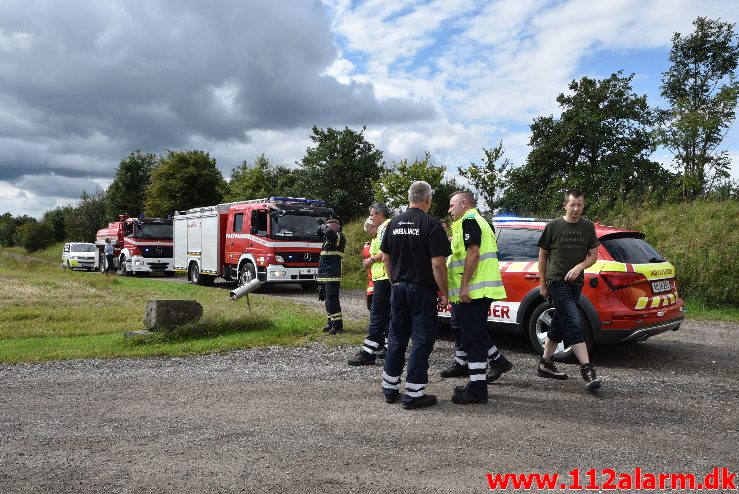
{"points": [[82, 248], [296, 226]]}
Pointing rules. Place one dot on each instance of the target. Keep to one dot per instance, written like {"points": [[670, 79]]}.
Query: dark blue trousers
{"points": [[413, 316], [473, 318], [379, 318]]}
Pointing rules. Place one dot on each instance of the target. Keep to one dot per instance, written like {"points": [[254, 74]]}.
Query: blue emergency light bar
{"points": [[315, 202], [503, 219]]}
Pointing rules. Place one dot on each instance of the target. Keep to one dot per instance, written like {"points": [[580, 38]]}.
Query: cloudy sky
{"points": [[85, 82]]}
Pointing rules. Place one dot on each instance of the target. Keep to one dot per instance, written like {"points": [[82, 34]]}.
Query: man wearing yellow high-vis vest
{"points": [[474, 282], [376, 338]]}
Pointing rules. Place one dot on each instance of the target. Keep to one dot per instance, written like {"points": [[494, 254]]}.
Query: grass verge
{"points": [[47, 313]]}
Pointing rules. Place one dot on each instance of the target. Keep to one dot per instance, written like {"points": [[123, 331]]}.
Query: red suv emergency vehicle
{"points": [[629, 294]]}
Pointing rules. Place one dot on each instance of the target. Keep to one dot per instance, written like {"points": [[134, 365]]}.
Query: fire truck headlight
{"points": [[139, 262], [279, 274], [279, 259]]}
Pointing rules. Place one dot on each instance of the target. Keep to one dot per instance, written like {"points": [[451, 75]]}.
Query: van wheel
{"points": [[247, 273], [539, 322]]}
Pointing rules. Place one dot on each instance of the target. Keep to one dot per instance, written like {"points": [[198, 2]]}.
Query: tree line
{"points": [[601, 142]]}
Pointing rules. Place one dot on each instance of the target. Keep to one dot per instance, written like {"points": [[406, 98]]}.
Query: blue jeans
{"points": [[414, 315], [566, 321]]}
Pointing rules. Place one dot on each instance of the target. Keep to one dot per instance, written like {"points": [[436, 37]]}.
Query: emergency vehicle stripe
{"points": [[530, 266], [629, 268], [261, 241], [460, 357], [332, 253], [476, 286], [415, 390], [654, 302]]}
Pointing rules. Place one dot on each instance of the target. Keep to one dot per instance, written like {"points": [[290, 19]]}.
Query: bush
{"points": [[700, 238], [33, 236]]}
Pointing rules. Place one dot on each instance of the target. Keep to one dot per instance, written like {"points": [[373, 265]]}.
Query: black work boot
{"points": [[467, 398], [497, 368], [547, 368], [327, 327], [588, 374], [337, 327], [455, 370], [361, 358]]}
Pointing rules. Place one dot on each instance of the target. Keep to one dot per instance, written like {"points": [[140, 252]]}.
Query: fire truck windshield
{"points": [[153, 231], [300, 226]]}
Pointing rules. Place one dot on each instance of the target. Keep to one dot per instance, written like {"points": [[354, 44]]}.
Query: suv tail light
{"points": [[618, 280]]}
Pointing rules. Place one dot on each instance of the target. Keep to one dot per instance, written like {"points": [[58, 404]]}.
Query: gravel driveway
{"points": [[301, 420]]}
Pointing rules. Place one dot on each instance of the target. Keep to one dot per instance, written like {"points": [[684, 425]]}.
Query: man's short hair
{"points": [[368, 225], [419, 191], [466, 195], [380, 208], [333, 220], [576, 193]]}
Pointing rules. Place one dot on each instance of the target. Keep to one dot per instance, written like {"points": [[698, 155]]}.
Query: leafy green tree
{"points": [[489, 179], [82, 221], [33, 236], [9, 226], [127, 191], [183, 180], [341, 169], [260, 180], [601, 143], [702, 89], [392, 188], [54, 221]]}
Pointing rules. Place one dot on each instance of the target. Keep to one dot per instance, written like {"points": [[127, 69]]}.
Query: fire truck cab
{"points": [[273, 239]]}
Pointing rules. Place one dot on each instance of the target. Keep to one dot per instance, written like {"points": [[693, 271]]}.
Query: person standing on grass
{"points": [[109, 269], [329, 273], [567, 247]]}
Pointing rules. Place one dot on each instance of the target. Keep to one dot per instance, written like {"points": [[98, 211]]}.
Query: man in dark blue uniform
{"points": [[329, 273], [415, 247]]}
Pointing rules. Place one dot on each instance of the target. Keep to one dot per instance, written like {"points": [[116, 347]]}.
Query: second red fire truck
{"points": [[141, 245], [273, 239]]}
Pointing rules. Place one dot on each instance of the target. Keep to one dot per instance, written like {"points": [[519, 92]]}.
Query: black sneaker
{"points": [[547, 368], [466, 398], [392, 398], [361, 358], [588, 374], [336, 330], [455, 370], [326, 328], [421, 402], [498, 368]]}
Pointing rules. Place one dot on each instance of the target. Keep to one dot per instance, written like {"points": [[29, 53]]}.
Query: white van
{"points": [[80, 255]]}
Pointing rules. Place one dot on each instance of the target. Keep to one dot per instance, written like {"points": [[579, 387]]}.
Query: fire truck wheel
{"points": [[200, 279], [539, 322], [246, 273], [122, 267]]}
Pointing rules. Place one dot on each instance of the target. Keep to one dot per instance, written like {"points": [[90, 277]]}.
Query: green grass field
{"points": [[48, 313]]}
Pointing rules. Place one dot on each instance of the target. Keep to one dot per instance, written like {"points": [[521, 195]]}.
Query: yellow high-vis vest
{"points": [[486, 282], [378, 267]]}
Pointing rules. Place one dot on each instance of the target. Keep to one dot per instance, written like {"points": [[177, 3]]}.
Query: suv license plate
{"points": [[308, 271], [661, 286]]}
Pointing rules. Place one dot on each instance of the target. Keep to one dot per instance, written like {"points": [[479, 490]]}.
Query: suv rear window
{"points": [[518, 244], [634, 250]]}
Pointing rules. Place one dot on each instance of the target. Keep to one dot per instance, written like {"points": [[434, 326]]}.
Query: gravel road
{"points": [[301, 420]]}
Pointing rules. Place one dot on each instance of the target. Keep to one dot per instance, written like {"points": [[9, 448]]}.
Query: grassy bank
{"points": [[49, 313]]}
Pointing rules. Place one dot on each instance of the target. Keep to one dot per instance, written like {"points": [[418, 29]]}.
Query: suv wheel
{"points": [[539, 322]]}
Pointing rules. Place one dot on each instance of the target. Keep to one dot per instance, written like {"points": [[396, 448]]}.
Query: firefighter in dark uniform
{"points": [[329, 273], [415, 248]]}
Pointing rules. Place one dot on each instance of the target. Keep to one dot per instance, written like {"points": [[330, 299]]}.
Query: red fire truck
{"points": [[274, 240], [141, 245]]}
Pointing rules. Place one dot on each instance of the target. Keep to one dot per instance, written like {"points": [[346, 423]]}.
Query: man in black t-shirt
{"points": [[414, 250]]}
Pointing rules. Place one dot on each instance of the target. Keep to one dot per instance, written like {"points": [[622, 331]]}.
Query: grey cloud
{"points": [[87, 81], [52, 185]]}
